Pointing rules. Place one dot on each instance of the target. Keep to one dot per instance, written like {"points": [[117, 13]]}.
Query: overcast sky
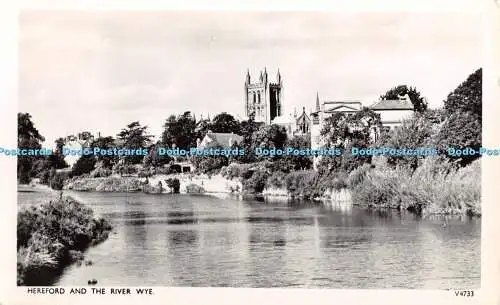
{"points": [[99, 71]]}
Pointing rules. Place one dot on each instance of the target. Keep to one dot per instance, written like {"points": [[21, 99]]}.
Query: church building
{"points": [[263, 98]]}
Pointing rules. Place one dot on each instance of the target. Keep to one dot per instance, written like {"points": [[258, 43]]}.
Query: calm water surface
{"points": [[181, 240]]}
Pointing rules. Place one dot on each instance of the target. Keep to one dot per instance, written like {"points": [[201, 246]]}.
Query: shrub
{"points": [[194, 189], [256, 183], [277, 180], [47, 233], [57, 181], [436, 186], [302, 183], [174, 185]]}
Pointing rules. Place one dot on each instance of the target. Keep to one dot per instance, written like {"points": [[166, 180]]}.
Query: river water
{"points": [[205, 241]]}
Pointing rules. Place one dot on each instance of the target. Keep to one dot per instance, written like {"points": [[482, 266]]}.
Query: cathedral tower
{"points": [[263, 98]]}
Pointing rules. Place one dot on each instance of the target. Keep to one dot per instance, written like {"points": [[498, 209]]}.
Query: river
{"points": [[206, 241]]}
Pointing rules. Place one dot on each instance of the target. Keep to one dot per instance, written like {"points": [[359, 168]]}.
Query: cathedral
{"points": [[264, 99]]}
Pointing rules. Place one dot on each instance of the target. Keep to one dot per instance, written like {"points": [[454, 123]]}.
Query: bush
{"points": [[174, 185], [57, 181], [437, 186], [277, 180], [194, 189], [302, 183], [256, 183], [47, 233], [84, 165]]}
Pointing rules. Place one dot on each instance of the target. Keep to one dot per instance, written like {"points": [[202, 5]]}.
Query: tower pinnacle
{"points": [[317, 102]]}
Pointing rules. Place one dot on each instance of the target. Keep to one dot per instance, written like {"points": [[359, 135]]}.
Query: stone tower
{"points": [[263, 98]]}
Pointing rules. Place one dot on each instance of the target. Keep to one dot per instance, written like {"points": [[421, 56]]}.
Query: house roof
{"points": [[403, 104], [335, 105], [348, 108], [303, 116], [223, 139]]}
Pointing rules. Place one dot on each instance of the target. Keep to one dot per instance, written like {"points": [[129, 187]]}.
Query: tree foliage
{"points": [[463, 125], [134, 136], [225, 123], [28, 137], [179, 131], [418, 101]]}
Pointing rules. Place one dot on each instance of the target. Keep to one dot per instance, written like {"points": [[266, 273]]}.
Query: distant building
{"points": [[392, 113], [264, 99], [294, 125], [224, 140]]}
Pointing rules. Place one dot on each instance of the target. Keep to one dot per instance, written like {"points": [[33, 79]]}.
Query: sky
{"points": [[100, 70]]}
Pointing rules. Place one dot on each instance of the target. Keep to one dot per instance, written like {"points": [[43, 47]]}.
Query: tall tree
{"points": [[463, 124], [225, 123], [418, 101], [134, 136], [30, 138], [105, 143], [179, 131]]}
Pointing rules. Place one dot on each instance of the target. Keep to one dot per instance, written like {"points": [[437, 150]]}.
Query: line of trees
{"points": [[457, 123]]}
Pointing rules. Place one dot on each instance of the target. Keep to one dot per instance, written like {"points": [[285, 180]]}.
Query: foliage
{"points": [[153, 158], [414, 133], [105, 143], [134, 136], [57, 181], [179, 131], [467, 97], [436, 186], [463, 125], [256, 183], [340, 129], [225, 123], [419, 102], [84, 165], [292, 162], [47, 233], [209, 164], [174, 185], [28, 137]]}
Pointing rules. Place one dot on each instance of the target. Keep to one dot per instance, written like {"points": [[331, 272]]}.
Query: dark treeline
{"points": [[457, 124]]}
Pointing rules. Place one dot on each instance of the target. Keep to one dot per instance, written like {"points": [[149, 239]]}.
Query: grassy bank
{"points": [[52, 235], [435, 187]]}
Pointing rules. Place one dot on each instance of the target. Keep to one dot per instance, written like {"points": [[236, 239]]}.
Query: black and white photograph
{"points": [[250, 149]]}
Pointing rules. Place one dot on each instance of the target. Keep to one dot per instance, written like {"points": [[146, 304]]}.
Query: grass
{"points": [[435, 187]]}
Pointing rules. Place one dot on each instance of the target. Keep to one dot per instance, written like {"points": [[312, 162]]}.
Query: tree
{"points": [[84, 165], [340, 128], [414, 133], [344, 132], [463, 125], [134, 137], [153, 158], [57, 158], [467, 97], [298, 162], [104, 143], [225, 123], [28, 137], [269, 136], [247, 130], [419, 102], [179, 131]]}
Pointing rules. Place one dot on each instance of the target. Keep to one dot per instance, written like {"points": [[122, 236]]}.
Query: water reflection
{"points": [[206, 241]]}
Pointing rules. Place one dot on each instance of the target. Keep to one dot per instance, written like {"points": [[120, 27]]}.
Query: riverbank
{"points": [[156, 184], [52, 235]]}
